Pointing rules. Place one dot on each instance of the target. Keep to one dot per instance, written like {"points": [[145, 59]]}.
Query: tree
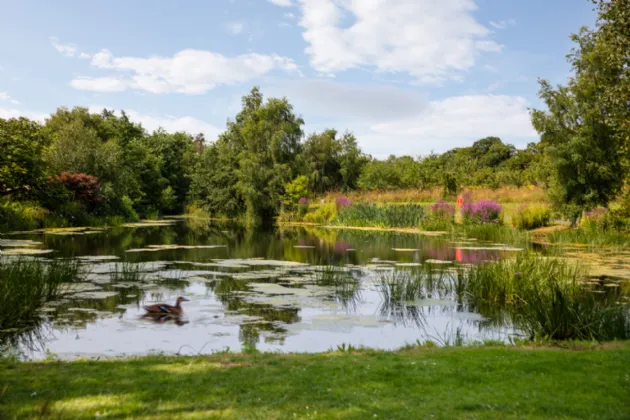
{"points": [[582, 131], [21, 144], [269, 135]]}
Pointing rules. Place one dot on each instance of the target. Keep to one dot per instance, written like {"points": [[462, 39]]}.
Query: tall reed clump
{"points": [[27, 284], [531, 217], [549, 298], [495, 233], [386, 216], [440, 216], [346, 287]]}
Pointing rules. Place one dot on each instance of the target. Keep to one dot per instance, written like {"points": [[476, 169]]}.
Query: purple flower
{"points": [[483, 211], [343, 202], [442, 210], [303, 201]]}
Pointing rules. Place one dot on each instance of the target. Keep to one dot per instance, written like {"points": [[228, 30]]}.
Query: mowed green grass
{"points": [[447, 383]]}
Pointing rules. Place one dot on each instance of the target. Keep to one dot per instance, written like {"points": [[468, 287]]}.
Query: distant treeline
{"points": [[79, 165]]}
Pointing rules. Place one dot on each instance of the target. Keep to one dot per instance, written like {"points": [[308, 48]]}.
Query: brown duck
{"points": [[163, 308]]}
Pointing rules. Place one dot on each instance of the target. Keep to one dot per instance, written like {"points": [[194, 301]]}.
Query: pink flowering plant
{"points": [[342, 202], [441, 216], [482, 212]]}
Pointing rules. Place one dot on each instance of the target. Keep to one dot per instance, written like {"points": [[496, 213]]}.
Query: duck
{"points": [[163, 308]]}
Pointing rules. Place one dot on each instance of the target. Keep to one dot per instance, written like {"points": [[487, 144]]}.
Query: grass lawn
{"points": [[444, 383]]}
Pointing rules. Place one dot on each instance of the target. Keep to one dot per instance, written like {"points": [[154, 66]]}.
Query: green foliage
{"points": [[547, 297], [295, 190], [531, 217], [388, 216], [22, 144], [584, 132], [323, 214], [27, 284], [20, 216]]}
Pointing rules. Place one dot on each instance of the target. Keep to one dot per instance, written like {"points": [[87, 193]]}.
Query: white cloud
{"points": [[432, 41], [502, 24], [289, 15], [235, 28], [281, 3], [100, 84], [188, 71], [5, 97], [349, 102], [8, 113], [465, 118], [65, 49], [171, 124]]}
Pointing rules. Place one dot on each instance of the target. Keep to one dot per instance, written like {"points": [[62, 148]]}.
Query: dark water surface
{"points": [[253, 288]]}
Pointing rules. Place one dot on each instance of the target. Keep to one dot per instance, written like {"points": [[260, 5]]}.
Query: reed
{"points": [[549, 298], [590, 235], [27, 284], [386, 216]]}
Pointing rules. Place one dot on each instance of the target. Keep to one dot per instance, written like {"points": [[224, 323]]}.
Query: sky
{"points": [[405, 76]]}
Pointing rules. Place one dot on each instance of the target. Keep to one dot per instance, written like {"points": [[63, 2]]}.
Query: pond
{"points": [[259, 289]]}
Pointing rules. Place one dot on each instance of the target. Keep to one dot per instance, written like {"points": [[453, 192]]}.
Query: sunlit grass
{"points": [[418, 382]]}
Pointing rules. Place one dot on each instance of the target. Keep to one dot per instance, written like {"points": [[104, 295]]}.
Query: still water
{"points": [[246, 288]]}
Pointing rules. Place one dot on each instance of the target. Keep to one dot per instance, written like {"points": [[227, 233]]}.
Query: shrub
{"points": [[295, 190], [303, 206], [323, 214], [85, 188], [441, 216], [532, 217], [21, 216], [482, 212]]}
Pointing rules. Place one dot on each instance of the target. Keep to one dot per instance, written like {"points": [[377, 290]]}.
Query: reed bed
{"points": [[545, 298], [386, 216], [26, 284]]}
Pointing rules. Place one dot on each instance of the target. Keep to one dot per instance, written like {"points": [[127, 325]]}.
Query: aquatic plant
{"points": [[531, 217], [346, 287], [441, 216], [386, 216], [548, 298], [494, 233], [482, 212], [127, 272], [27, 284]]}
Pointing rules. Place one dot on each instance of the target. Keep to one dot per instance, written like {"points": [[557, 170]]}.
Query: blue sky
{"points": [[406, 76]]}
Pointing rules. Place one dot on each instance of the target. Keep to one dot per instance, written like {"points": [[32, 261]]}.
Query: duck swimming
{"points": [[163, 308]]}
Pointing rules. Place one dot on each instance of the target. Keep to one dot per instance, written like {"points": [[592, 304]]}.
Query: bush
{"points": [[21, 216], [85, 188], [303, 206], [532, 217], [323, 214], [441, 216], [388, 216], [294, 191], [482, 212]]}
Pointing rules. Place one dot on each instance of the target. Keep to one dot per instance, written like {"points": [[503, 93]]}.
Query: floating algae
{"points": [[18, 243], [156, 248], [25, 251]]}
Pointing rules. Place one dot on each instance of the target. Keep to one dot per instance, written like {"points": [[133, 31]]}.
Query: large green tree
{"points": [[21, 146], [583, 129]]}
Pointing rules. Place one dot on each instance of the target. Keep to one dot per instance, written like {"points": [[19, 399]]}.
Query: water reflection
{"points": [[271, 289]]}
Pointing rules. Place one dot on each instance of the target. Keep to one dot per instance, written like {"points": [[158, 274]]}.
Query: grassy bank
{"points": [[413, 383]]}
